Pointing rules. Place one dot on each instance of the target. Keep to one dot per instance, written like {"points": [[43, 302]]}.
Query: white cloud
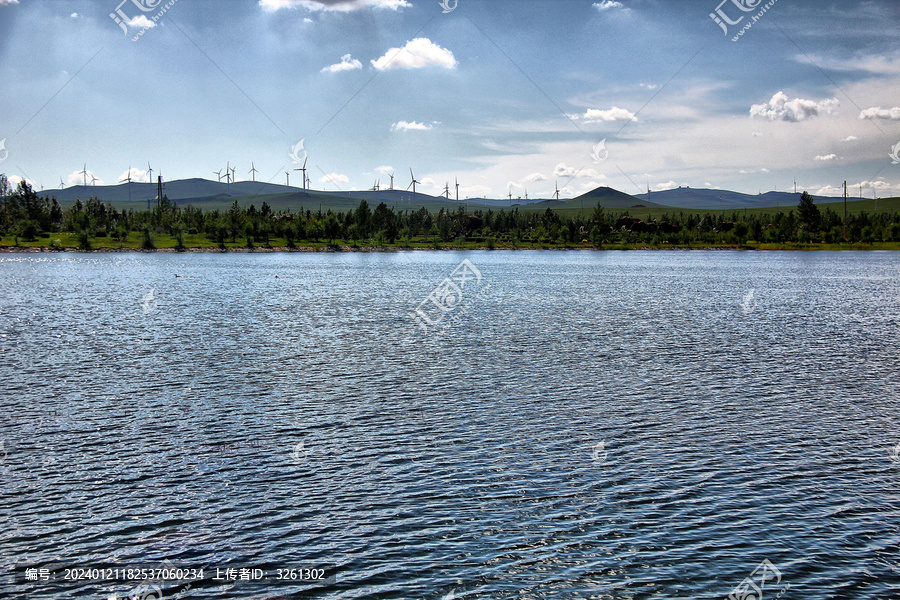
{"points": [[869, 187], [2, 2], [781, 108], [334, 178], [535, 177], [764, 170], [607, 4], [385, 170], [615, 113], [428, 182], [475, 191], [77, 178], [333, 5], [875, 185], [873, 63], [307, 20], [73, 15], [14, 180], [348, 63], [141, 22], [669, 185], [850, 138], [137, 176], [413, 126], [826, 157], [562, 170], [892, 114], [417, 54]]}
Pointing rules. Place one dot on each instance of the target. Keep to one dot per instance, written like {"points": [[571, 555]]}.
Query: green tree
{"points": [[332, 227], [808, 212], [363, 218], [740, 232]]}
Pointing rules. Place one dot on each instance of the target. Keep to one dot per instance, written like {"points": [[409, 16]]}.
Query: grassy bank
{"points": [[194, 243]]}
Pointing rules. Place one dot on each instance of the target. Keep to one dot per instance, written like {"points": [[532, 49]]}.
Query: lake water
{"points": [[610, 425]]}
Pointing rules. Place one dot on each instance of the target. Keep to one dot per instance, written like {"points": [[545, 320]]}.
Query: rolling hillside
{"points": [[699, 198]]}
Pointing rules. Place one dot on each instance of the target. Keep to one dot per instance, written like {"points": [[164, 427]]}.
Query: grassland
{"points": [[194, 243]]}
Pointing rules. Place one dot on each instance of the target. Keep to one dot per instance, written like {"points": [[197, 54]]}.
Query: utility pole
{"points": [[159, 190], [845, 208]]}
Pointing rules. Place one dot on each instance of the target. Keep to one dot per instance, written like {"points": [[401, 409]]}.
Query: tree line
{"points": [[27, 216]]}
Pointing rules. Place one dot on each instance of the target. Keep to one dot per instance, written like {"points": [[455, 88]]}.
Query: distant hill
{"points": [[211, 195], [606, 196], [699, 198]]}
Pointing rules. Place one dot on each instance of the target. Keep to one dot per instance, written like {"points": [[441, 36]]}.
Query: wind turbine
{"points": [[84, 174], [128, 179], [62, 185], [447, 190], [526, 194], [219, 173], [288, 174], [228, 173], [413, 184], [457, 189], [392, 182], [303, 169], [233, 169], [304, 181], [557, 189], [150, 171], [253, 171], [94, 180]]}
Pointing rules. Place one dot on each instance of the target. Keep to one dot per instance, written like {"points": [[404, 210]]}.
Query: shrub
{"points": [[30, 231], [148, 243], [84, 240]]}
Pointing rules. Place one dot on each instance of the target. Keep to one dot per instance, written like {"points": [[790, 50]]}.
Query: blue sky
{"points": [[503, 95]]}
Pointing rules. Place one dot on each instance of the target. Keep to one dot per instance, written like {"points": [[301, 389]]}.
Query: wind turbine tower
{"points": [[253, 171], [304, 181], [413, 184], [303, 169], [128, 179]]}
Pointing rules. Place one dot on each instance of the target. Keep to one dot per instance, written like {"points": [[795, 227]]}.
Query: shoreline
{"points": [[341, 249]]}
